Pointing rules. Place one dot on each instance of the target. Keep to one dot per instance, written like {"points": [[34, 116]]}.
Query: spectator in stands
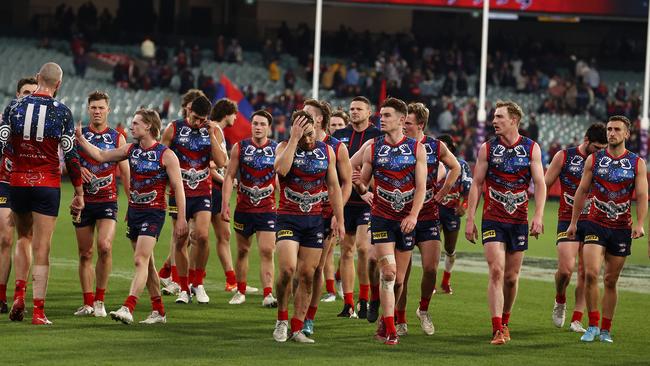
{"points": [[234, 52], [620, 93], [148, 49], [289, 79], [446, 120], [533, 130], [274, 71], [195, 56], [187, 81], [220, 49]]}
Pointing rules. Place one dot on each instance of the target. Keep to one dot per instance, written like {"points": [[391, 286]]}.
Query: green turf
{"points": [[219, 333]]}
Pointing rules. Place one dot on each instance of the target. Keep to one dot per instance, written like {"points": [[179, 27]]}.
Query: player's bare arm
{"points": [[537, 172], [480, 171], [228, 182], [409, 222], [218, 153], [344, 171], [454, 171], [641, 190], [176, 183], [554, 169], [125, 171], [102, 156], [334, 194], [581, 196], [286, 150]]}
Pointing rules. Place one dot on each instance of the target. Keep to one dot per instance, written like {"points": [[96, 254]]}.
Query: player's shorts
{"points": [[307, 230], [247, 223], [563, 225], [427, 230], [617, 242], [42, 200], [145, 222], [216, 201], [388, 231], [448, 219], [327, 226], [193, 205], [97, 211], [515, 236], [355, 215], [5, 202]]}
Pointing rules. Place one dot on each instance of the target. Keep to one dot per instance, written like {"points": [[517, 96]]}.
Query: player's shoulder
{"points": [[343, 132], [373, 131]]}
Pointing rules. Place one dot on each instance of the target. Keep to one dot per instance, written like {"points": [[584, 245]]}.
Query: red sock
{"points": [[191, 276], [446, 276], [424, 303], [175, 277], [267, 291], [296, 325], [241, 287], [606, 324], [496, 324], [505, 318], [3, 292], [165, 271], [88, 298], [363, 291], [184, 283], [329, 286], [39, 306], [348, 298], [99, 294], [311, 312], [577, 315], [199, 275], [401, 316], [389, 322], [157, 305], [230, 277], [374, 292], [560, 299], [594, 317], [337, 275], [130, 302], [283, 314], [19, 290]]}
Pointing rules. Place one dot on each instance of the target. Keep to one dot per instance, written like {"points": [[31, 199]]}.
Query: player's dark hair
{"points": [[25, 81], [623, 119], [201, 106], [421, 113], [188, 98], [98, 95], [151, 119], [324, 108], [263, 113], [397, 104], [361, 98], [449, 142], [301, 113], [222, 108], [597, 133]]}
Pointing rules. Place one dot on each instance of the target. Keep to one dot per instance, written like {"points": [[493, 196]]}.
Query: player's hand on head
{"points": [[298, 127]]}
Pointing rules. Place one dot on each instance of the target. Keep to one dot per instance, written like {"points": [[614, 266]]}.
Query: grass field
{"points": [[219, 333]]}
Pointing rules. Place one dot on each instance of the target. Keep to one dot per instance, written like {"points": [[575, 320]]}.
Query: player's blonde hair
{"points": [[514, 110]]}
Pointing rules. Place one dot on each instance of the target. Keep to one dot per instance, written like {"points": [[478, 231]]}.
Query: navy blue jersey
{"points": [[353, 140]]}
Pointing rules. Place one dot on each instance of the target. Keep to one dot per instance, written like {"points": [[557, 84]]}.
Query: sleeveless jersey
{"points": [[430, 209], [573, 167], [148, 177], [353, 140], [256, 177], [460, 187], [193, 148], [335, 144], [303, 188], [613, 186], [393, 168], [508, 178], [102, 187], [35, 126]]}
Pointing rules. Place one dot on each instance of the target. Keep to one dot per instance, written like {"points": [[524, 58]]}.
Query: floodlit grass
{"points": [[219, 333]]}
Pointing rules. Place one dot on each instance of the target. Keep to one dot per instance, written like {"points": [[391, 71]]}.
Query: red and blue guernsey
{"points": [[508, 178], [460, 187], [335, 144], [256, 177], [394, 172], [148, 177], [35, 126], [5, 166], [193, 148], [102, 187], [305, 186], [573, 167], [432, 147], [613, 186]]}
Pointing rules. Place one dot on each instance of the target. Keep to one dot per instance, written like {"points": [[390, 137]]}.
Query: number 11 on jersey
{"points": [[40, 124]]}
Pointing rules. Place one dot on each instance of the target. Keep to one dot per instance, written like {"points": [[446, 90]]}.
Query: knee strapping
{"points": [[386, 259], [385, 284]]}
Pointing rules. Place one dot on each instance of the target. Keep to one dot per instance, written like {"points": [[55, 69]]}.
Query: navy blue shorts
{"points": [[355, 215], [5, 202], [515, 236], [216, 201], [617, 242], [193, 205], [562, 226], [145, 222], [327, 226], [448, 219], [388, 231], [307, 230], [97, 211], [427, 230], [247, 223], [42, 200]]}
